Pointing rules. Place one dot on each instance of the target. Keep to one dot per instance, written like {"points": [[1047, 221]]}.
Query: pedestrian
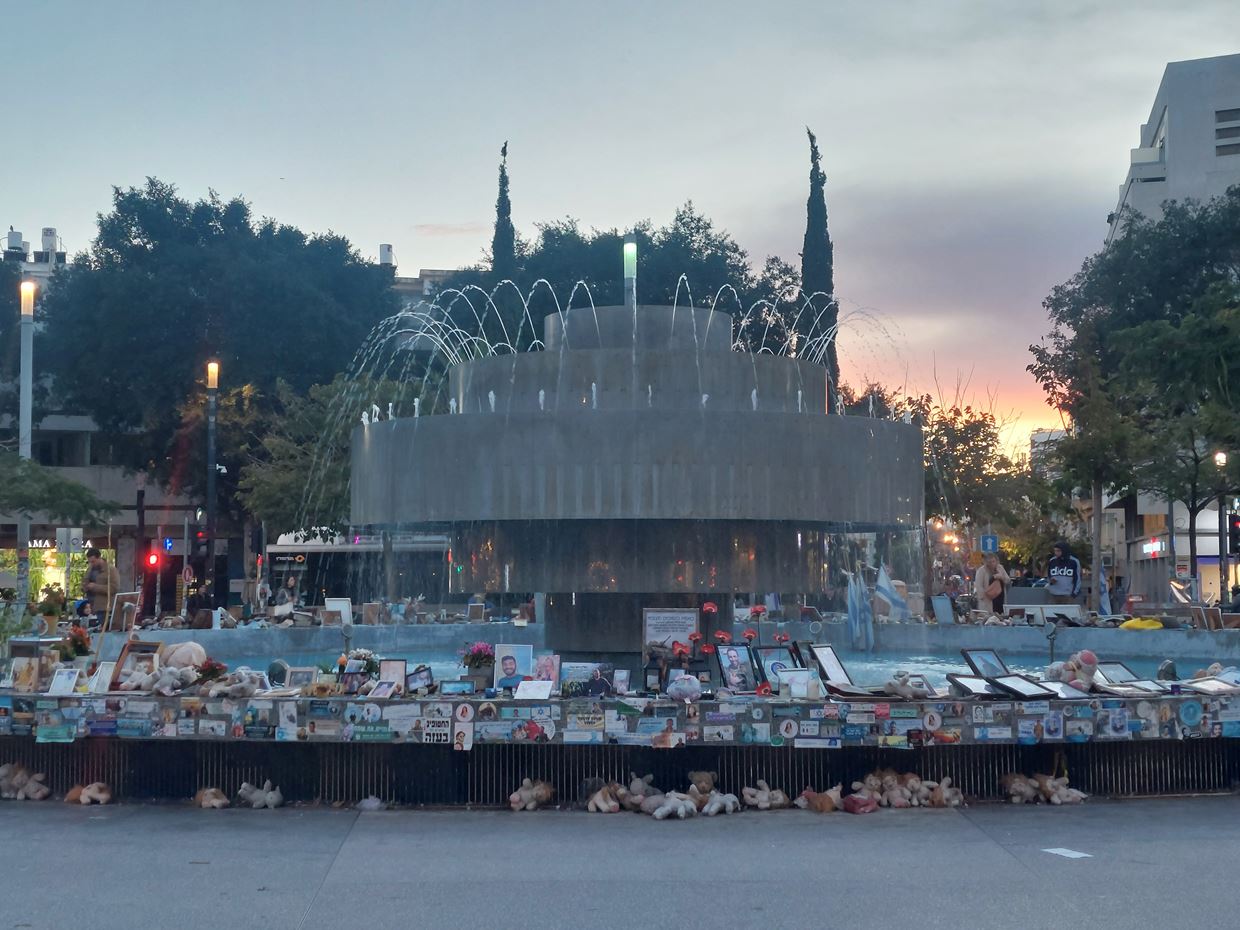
{"points": [[990, 585], [1063, 575], [289, 593], [102, 581]]}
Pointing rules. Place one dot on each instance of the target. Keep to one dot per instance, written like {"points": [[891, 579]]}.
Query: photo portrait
{"points": [[736, 667], [513, 664]]}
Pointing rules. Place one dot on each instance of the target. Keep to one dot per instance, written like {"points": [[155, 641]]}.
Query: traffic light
{"points": [[153, 560], [1233, 533], [200, 542]]}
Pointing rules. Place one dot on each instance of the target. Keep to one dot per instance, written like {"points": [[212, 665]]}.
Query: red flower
{"points": [[708, 649], [723, 636], [710, 607], [781, 637], [679, 649], [757, 609], [764, 689], [695, 637], [750, 634]]}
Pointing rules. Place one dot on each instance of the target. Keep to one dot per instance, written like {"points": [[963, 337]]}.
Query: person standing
{"points": [[1063, 575], [102, 581], [990, 585]]}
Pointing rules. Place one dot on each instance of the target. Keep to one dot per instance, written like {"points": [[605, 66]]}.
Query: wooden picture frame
{"points": [[985, 662], [1022, 686], [974, 686], [372, 613], [135, 653]]}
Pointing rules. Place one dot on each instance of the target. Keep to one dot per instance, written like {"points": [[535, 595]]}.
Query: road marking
{"points": [[1068, 853]]}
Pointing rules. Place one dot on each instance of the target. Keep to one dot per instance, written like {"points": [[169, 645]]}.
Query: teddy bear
{"points": [[167, 682], [869, 787], [95, 793], [183, 655], [1215, 669], [242, 683], [717, 803], [31, 787], [8, 779], [1019, 789], [1056, 790], [860, 804], [894, 794], [900, 685], [637, 791], [210, 798], [652, 802], [676, 803], [825, 802], [530, 795], [764, 797], [603, 801], [135, 680], [942, 794], [918, 793], [1078, 671], [704, 781], [258, 798]]}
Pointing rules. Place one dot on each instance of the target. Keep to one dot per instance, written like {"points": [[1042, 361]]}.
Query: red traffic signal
{"points": [[152, 559]]}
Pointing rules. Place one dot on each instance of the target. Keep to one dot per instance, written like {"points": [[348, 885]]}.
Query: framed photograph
{"points": [[420, 677], [533, 691], [736, 667], [797, 680], [102, 679], [124, 614], [25, 674], [513, 664], [586, 679], [1065, 691], [620, 681], [351, 682], [301, 676], [1150, 685], [64, 680], [921, 681], [973, 686], [547, 668], [662, 626], [396, 670], [456, 687], [1115, 673], [829, 665], [340, 605], [6, 673], [771, 660], [1210, 686], [1022, 686], [135, 656], [372, 613], [985, 662], [383, 691], [476, 613]]}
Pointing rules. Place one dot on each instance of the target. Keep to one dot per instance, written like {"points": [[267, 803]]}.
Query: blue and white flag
{"points": [[885, 589], [860, 616], [1104, 595]]}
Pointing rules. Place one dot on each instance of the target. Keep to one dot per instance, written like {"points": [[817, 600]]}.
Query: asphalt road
{"points": [[1167, 862]]}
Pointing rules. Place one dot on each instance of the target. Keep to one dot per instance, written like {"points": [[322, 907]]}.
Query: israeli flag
{"points": [[885, 589], [1104, 594], [860, 616]]}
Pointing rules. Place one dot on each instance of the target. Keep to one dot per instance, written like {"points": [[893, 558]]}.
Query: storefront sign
{"points": [[1154, 548]]}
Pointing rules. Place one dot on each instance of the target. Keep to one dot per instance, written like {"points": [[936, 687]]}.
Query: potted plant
{"points": [[74, 649], [51, 605], [479, 660]]}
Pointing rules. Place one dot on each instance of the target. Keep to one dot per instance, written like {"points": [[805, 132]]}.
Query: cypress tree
{"points": [[817, 266], [504, 242]]}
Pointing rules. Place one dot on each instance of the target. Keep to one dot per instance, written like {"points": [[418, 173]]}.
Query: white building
{"points": [[1190, 145]]}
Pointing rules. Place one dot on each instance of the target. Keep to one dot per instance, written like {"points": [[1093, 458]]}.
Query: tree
{"points": [[29, 488], [504, 240], [817, 263], [168, 284]]}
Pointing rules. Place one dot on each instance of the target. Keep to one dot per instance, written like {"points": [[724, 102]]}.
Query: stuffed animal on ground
{"points": [[894, 794], [859, 804], [183, 655], [918, 793], [717, 803], [901, 685], [869, 787], [764, 797], [370, 804], [8, 779], [704, 781], [96, 793], [257, 798], [1056, 790], [677, 804], [211, 798], [1019, 789], [530, 795], [826, 802], [603, 801], [942, 794], [685, 688], [652, 802], [638, 790], [32, 787]]}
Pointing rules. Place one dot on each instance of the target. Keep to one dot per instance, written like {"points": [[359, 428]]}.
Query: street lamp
{"points": [[1220, 461], [630, 271], [213, 383], [24, 427]]}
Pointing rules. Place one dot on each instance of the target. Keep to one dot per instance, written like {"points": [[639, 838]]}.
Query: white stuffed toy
{"points": [[764, 797], [638, 790], [530, 795], [900, 685], [183, 655], [717, 803], [257, 798], [678, 804], [1019, 789]]}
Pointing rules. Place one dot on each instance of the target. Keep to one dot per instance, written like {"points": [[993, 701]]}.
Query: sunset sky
{"points": [[973, 150]]}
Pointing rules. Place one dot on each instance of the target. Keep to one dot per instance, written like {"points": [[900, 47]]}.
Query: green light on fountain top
{"points": [[630, 257]]}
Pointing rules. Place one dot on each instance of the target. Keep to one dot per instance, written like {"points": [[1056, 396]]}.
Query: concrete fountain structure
{"points": [[636, 461]]}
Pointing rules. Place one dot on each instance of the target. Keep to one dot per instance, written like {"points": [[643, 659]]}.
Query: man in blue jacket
{"points": [[1063, 575]]}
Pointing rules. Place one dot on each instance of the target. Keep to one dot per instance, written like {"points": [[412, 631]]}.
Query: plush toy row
{"points": [[1046, 789], [888, 788]]}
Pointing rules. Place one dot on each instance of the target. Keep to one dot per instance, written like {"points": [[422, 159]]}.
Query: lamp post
{"points": [[630, 271], [213, 383], [24, 427], [1220, 460]]}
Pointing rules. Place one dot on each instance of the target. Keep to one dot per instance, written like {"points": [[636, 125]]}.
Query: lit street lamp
{"points": [[24, 426], [213, 383], [1220, 460]]}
